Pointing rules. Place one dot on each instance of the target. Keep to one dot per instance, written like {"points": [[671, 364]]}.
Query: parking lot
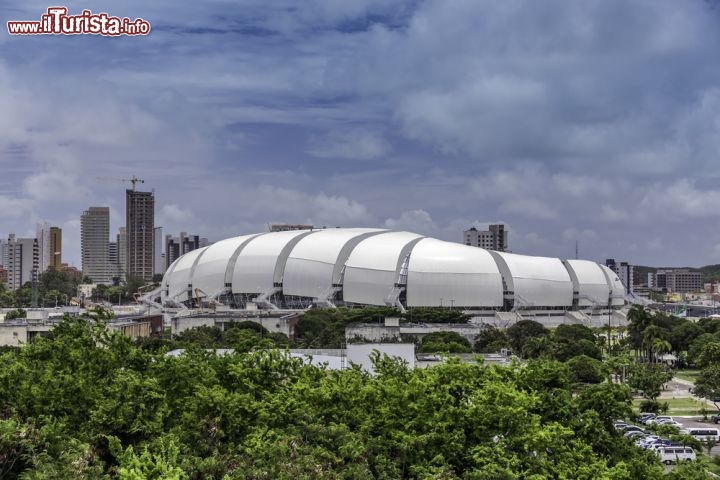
{"points": [[690, 422]]}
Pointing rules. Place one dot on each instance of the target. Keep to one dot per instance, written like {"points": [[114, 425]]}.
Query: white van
{"points": [[675, 453], [702, 434]]}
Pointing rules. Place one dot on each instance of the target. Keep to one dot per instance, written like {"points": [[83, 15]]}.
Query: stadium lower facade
{"points": [[363, 266]]}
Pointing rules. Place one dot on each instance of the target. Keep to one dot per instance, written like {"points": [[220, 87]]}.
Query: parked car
{"points": [[702, 434], [675, 453], [656, 419], [620, 425], [632, 428], [715, 419], [635, 433], [672, 423]]}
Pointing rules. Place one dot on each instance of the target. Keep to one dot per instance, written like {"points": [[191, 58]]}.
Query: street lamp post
{"points": [[608, 330]]}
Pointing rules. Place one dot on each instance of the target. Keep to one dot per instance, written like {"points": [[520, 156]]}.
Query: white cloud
{"points": [[610, 213], [528, 208], [175, 214], [338, 210], [576, 234], [418, 221], [681, 200]]}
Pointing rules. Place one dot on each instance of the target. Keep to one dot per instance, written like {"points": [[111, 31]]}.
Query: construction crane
{"points": [[132, 180]]}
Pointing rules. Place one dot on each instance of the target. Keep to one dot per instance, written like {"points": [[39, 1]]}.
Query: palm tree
{"points": [[639, 320], [660, 346]]}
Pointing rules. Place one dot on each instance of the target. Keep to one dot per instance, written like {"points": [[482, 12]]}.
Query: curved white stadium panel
{"points": [[590, 283], [373, 266], [166, 280], [209, 274], [536, 281], [450, 274], [316, 262], [261, 263], [617, 289], [168, 273], [180, 278]]}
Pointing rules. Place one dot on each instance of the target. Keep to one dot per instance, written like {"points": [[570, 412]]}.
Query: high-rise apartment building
{"points": [[122, 251], [158, 263], [94, 245], [178, 246], [140, 225], [114, 260], [625, 272], [494, 238], [49, 241], [21, 256], [42, 234], [56, 248]]}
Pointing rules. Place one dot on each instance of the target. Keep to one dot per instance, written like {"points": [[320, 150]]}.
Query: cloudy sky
{"points": [[596, 121]]}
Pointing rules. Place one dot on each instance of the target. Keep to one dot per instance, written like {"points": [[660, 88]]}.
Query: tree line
{"points": [[87, 403], [56, 288]]}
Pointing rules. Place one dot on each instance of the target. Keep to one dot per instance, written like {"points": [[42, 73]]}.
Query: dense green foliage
{"points": [[89, 404], [445, 342], [54, 288]]}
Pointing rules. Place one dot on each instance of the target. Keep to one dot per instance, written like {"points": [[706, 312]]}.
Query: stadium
{"points": [[295, 270]]}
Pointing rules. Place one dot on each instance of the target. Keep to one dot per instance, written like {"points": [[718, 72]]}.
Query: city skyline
{"points": [[594, 122]]}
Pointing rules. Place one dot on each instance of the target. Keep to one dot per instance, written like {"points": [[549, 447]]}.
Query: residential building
{"points": [[140, 225], [177, 246], [625, 271], [72, 272], [94, 245], [122, 251], [43, 239], [114, 259], [56, 248], [21, 261], [676, 280], [158, 265], [3, 275], [494, 238]]}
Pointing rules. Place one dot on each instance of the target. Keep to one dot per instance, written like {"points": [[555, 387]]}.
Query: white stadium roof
{"points": [[374, 266], [370, 266], [536, 281], [451, 274], [589, 281]]}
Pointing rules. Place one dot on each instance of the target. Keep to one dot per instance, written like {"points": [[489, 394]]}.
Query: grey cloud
{"points": [[350, 143]]}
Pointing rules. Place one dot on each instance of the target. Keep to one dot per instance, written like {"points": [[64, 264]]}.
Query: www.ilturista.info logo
{"points": [[57, 22]]}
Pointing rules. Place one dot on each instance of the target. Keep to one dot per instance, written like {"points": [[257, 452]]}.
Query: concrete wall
{"points": [[132, 329], [13, 335], [180, 324], [381, 333], [284, 324], [359, 353], [16, 334]]}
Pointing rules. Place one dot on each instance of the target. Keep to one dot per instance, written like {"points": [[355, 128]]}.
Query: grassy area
{"points": [[688, 375], [713, 468], [682, 406]]}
